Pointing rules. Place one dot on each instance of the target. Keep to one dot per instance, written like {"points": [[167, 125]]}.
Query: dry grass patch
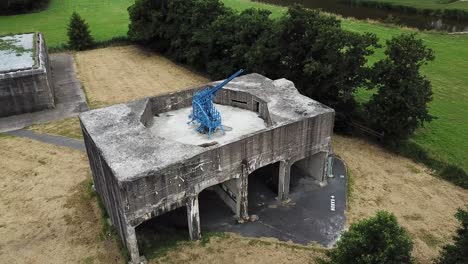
{"points": [[424, 204], [69, 127], [235, 249], [123, 73], [47, 216]]}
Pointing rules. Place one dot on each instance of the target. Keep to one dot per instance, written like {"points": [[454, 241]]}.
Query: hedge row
{"points": [[325, 62], [10, 7]]}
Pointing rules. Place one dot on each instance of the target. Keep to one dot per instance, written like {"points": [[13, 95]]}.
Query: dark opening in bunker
{"points": [[257, 106], [239, 102], [263, 187], [162, 231], [167, 229], [215, 209]]}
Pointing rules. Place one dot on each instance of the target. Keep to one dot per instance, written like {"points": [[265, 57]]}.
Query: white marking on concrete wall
{"points": [[332, 203]]}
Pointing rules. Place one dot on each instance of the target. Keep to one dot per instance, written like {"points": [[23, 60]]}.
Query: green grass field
{"points": [[429, 4], [107, 19], [445, 138]]}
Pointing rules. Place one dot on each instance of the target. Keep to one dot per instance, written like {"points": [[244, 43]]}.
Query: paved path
{"points": [[70, 98], [307, 217], [50, 139]]}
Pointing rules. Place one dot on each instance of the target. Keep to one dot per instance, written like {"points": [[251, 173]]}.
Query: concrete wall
{"points": [[28, 90], [182, 99], [314, 166]]}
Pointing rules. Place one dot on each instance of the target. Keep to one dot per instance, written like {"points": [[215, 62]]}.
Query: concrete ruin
{"points": [[25, 75], [141, 171]]}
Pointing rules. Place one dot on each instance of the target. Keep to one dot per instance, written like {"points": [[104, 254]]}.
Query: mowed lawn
{"points": [[107, 19], [445, 138]]}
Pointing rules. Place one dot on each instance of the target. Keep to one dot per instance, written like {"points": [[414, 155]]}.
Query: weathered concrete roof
{"points": [[132, 150], [17, 52]]}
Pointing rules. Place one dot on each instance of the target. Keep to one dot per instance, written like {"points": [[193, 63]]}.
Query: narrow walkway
{"points": [[70, 99], [50, 139]]}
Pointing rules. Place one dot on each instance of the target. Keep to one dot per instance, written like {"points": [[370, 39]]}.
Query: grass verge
{"points": [[108, 232], [68, 127]]}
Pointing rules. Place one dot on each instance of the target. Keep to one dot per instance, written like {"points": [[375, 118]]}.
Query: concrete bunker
{"points": [[25, 75], [141, 172]]}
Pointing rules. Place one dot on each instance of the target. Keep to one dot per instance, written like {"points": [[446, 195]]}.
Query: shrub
{"points": [[401, 103], [326, 62], [376, 240], [457, 252], [10, 7], [79, 36]]}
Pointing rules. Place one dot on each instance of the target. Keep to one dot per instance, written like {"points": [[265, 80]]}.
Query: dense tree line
{"points": [[9, 7], [325, 62]]}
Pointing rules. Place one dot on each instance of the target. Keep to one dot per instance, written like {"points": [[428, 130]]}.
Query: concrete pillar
{"points": [[283, 181], [132, 245], [193, 216], [330, 166], [242, 197]]}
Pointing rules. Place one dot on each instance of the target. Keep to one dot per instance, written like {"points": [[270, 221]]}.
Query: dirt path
{"points": [[119, 74], [423, 204], [46, 216]]}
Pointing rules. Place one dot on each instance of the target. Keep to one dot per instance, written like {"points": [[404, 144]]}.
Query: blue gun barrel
{"points": [[219, 86], [203, 110]]}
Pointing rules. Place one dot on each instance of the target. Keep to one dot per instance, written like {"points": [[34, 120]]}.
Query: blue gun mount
{"points": [[203, 110]]}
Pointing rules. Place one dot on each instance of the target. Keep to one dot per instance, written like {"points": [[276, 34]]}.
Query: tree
{"points": [[401, 103], [79, 36], [226, 44], [457, 252], [325, 62], [376, 240]]}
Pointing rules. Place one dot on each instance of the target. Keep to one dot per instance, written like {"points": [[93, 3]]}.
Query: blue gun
{"points": [[203, 110]]}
